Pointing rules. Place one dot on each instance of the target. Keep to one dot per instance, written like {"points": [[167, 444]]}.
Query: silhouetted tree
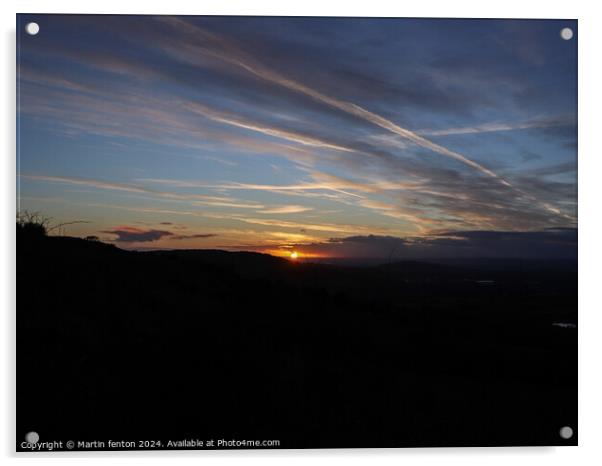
{"points": [[32, 224], [36, 225]]}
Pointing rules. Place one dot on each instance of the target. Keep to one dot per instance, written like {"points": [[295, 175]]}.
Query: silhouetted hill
{"points": [[212, 344], [247, 263]]}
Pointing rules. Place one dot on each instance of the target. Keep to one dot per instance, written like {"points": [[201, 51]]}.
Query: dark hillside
{"points": [[114, 344]]}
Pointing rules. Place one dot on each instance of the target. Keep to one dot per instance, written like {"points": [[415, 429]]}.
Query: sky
{"points": [[331, 137]]}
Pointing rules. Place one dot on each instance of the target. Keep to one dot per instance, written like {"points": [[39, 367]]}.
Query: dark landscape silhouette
{"points": [[116, 344]]}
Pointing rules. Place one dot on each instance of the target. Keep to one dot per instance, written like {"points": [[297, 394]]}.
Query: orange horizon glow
{"points": [[298, 255]]}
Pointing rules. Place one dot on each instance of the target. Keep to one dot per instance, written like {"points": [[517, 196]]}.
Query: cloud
{"points": [[538, 123], [560, 243], [217, 94], [91, 183], [127, 234], [230, 53], [149, 118], [288, 209], [307, 226], [201, 42], [270, 131], [448, 199], [199, 199], [553, 243], [293, 189], [233, 204], [194, 236], [555, 169]]}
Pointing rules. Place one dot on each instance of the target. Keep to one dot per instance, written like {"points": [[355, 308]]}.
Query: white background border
{"points": [[590, 261]]}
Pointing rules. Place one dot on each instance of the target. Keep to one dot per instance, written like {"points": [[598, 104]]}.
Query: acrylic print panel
{"points": [[271, 232]]}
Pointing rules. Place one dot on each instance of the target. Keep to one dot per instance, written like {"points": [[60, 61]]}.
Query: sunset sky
{"points": [[331, 137]]}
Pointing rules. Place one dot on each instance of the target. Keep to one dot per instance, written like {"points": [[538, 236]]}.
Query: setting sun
{"points": [[294, 255]]}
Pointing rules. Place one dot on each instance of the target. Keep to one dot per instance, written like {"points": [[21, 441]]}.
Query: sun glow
{"points": [[294, 255]]}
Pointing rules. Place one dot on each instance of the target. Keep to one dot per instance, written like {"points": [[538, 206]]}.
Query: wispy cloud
{"points": [[125, 112], [270, 131], [288, 209], [199, 199], [292, 189], [163, 124], [230, 203], [193, 236], [197, 41], [91, 183], [298, 130], [542, 122], [317, 227], [230, 53]]}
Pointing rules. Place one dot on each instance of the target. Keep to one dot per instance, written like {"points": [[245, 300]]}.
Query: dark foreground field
{"points": [[214, 345]]}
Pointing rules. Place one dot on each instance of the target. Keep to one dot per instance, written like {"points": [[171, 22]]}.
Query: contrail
{"points": [[270, 131], [239, 58], [222, 49], [500, 127]]}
